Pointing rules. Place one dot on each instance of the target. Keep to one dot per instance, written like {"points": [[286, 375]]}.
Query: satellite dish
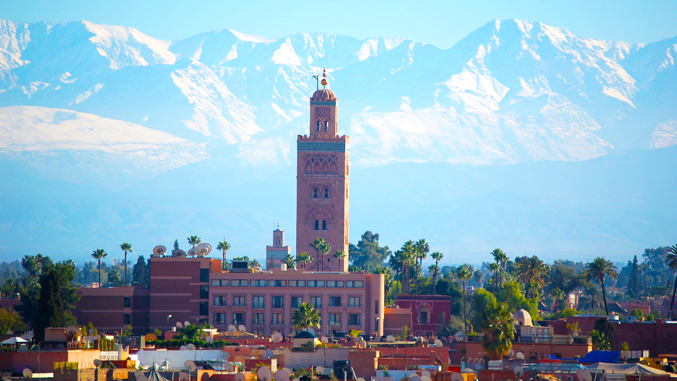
{"points": [[182, 348], [232, 329], [512, 353], [159, 250], [192, 252], [584, 375], [242, 328], [27, 373], [325, 340], [225, 355], [519, 371], [179, 253], [319, 369], [267, 354], [277, 337], [287, 370], [184, 376], [240, 377], [179, 325], [264, 374], [456, 377], [203, 249], [228, 367], [415, 377], [281, 375], [425, 373], [426, 378], [186, 323], [190, 366], [439, 343], [209, 339], [519, 355], [190, 347], [390, 339], [97, 363], [360, 379]]}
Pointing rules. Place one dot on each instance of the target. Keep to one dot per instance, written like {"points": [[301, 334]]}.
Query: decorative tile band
{"points": [[327, 103], [321, 146]]}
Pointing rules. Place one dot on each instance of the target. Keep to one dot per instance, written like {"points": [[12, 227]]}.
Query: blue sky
{"points": [[441, 23]]}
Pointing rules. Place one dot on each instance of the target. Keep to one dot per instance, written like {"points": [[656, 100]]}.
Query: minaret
{"points": [[322, 183], [275, 254]]}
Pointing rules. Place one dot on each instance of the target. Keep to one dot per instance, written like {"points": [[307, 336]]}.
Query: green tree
{"points": [[499, 331], [558, 295], [340, 255], [114, 278], [511, 295], [408, 255], [99, 254], [501, 260], [421, 250], [437, 256], [140, 271], [11, 320], [50, 305], [320, 246], [597, 270], [531, 270], [126, 247], [289, 261], [388, 277], [464, 273], [481, 300], [602, 335], [224, 247], [306, 316], [368, 254], [495, 268], [634, 283], [478, 277], [194, 240], [304, 258], [671, 261]]}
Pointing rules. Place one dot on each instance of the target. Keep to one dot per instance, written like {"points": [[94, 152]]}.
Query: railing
{"points": [[109, 355]]}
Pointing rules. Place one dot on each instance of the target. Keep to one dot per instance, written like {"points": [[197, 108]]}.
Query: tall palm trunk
{"points": [[465, 319], [606, 308], [125, 268], [99, 273], [434, 279], [672, 301]]}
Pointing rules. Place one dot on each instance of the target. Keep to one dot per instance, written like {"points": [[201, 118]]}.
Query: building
{"points": [[275, 254], [322, 183], [111, 309], [425, 314]]}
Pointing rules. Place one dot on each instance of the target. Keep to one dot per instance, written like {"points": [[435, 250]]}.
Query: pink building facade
{"points": [[428, 312]]}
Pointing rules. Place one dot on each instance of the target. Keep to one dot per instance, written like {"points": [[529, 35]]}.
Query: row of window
{"points": [[319, 125], [316, 193], [258, 319], [278, 301], [283, 283], [317, 225]]}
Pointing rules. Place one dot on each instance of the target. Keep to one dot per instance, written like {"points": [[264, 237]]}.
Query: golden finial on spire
{"points": [[324, 77]]}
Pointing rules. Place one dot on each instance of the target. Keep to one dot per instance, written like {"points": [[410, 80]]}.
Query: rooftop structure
{"points": [[276, 253]]}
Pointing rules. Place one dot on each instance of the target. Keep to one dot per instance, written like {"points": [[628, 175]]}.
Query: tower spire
{"points": [[324, 77]]}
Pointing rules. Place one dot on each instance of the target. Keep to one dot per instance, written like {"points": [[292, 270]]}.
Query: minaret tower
{"points": [[322, 183]]}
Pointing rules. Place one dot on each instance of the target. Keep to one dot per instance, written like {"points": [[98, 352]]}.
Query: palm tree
{"points": [[126, 247], [437, 256], [421, 250], [408, 252], [597, 270], [501, 260], [194, 240], [671, 261], [320, 246], [531, 270], [340, 255], [396, 263], [388, 276], [306, 316], [289, 261], [478, 277], [99, 254], [464, 273], [224, 247], [558, 295], [494, 267], [304, 258], [498, 329]]}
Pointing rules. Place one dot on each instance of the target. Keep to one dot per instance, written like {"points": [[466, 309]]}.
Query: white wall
{"points": [[175, 358]]}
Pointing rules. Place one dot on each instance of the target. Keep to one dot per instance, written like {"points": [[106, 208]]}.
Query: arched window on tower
{"points": [[326, 192], [324, 225], [315, 193], [319, 126], [317, 225], [326, 125]]}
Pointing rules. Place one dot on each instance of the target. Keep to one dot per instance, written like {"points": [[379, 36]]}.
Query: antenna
{"points": [[179, 325], [277, 337], [179, 253], [232, 329], [186, 323], [225, 355], [325, 340], [242, 328], [190, 366], [203, 249], [519, 355], [190, 347], [159, 250], [192, 252], [317, 81]]}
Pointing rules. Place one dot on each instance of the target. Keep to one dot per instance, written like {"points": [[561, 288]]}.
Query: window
{"points": [[353, 319], [317, 225], [219, 300], [297, 283], [204, 275], [334, 319], [257, 302], [259, 283], [204, 292], [316, 301], [238, 318], [315, 193], [335, 301], [296, 301], [315, 283], [441, 317], [219, 283], [324, 225], [354, 301], [128, 302], [277, 319], [257, 319], [127, 319], [220, 318], [278, 283], [238, 301], [326, 125], [278, 301], [354, 284], [376, 307], [326, 192], [423, 317], [239, 283], [334, 283], [204, 308], [319, 125]]}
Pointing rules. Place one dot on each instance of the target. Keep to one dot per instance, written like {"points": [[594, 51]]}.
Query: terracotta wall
{"points": [[364, 363]]}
